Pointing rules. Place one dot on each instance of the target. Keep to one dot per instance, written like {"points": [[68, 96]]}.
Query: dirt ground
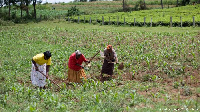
{"points": [[186, 85]]}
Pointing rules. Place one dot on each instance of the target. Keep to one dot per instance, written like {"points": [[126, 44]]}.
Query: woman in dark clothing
{"points": [[110, 57]]}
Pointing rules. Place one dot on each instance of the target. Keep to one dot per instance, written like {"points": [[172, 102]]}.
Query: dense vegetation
{"points": [[161, 68]]}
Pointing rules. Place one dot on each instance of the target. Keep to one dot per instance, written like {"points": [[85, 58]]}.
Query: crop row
{"points": [[138, 23], [180, 15]]}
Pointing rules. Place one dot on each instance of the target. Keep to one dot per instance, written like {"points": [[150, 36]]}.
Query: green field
{"points": [[161, 73], [159, 17], [112, 11]]}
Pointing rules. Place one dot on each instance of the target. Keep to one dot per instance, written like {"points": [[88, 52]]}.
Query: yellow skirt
{"points": [[76, 76]]}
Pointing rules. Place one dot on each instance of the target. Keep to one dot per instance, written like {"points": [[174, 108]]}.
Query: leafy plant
{"points": [[73, 11], [176, 85], [187, 91]]}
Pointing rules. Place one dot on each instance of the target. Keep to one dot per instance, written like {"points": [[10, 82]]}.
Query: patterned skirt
{"points": [[37, 78], [76, 76]]}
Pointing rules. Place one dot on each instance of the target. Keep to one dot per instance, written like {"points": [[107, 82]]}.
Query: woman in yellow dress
{"points": [[40, 68]]}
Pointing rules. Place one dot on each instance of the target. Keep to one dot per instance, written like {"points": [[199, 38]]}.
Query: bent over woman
{"points": [[40, 68], [75, 69]]}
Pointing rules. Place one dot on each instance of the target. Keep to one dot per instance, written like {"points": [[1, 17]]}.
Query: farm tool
{"points": [[120, 65], [50, 79], [94, 56], [88, 65]]}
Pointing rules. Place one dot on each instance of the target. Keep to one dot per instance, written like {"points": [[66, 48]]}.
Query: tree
{"points": [[123, 5], [161, 4], [9, 8], [21, 7], [177, 3], [27, 2], [8, 3], [185, 2], [34, 4]]}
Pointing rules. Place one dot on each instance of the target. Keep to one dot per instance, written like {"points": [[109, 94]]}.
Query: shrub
{"points": [[73, 11], [5, 23]]}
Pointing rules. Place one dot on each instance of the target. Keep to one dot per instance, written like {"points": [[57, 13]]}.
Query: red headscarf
{"points": [[109, 47]]}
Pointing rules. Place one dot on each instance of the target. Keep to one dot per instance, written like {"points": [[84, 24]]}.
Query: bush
{"points": [[140, 5], [73, 11], [5, 23]]}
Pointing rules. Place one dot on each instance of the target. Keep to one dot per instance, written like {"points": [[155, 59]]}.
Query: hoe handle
{"points": [[50, 79], [94, 56]]}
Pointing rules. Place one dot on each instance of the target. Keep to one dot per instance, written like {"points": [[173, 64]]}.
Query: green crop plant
{"points": [[187, 91], [146, 77], [176, 85], [160, 17], [154, 79], [32, 107], [96, 98], [133, 99], [5, 99]]}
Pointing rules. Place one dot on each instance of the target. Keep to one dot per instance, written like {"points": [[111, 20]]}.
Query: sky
{"points": [[57, 1]]}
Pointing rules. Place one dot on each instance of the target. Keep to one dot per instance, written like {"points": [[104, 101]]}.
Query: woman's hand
{"points": [[47, 76], [82, 67]]}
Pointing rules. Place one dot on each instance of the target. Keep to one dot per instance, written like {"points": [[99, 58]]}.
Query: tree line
{"points": [[21, 4]]}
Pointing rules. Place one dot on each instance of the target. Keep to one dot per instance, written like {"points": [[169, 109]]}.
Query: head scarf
{"points": [[109, 47], [77, 52], [47, 54]]}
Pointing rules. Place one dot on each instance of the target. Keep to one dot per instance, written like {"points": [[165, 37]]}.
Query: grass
{"points": [[162, 56]]}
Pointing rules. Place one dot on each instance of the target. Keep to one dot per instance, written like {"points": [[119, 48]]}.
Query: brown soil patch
{"points": [[2, 78], [121, 66]]}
